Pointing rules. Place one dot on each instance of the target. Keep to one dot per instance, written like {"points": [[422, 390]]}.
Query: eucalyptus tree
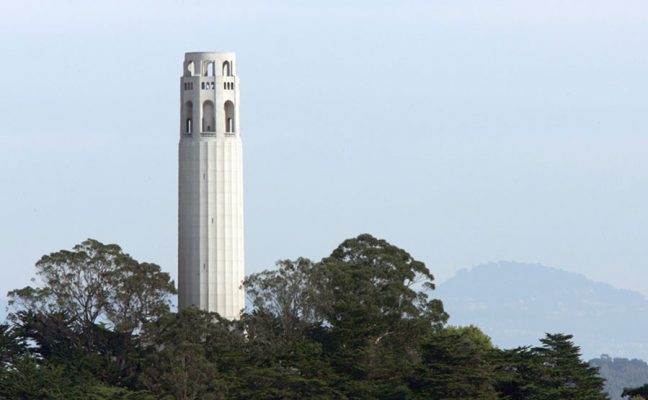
{"points": [[97, 283], [86, 308]]}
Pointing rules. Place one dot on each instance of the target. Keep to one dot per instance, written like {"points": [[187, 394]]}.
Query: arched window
{"points": [[208, 68], [208, 117], [187, 115], [230, 122], [226, 69], [189, 68]]}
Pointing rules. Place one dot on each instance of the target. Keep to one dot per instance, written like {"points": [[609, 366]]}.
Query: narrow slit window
{"points": [[187, 113], [209, 117], [230, 123]]}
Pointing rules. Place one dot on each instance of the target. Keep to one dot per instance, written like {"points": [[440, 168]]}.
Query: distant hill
{"points": [[517, 303], [620, 373]]}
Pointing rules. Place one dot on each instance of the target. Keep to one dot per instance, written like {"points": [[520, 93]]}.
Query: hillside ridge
{"points": [[516, 303]]}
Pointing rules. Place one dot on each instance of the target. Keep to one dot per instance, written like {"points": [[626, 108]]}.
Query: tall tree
{"points": [[86, 306], [553, 371], [97, 282], [374, 298], [368, 288], [363, 310], [566, 375], [284, 300]]}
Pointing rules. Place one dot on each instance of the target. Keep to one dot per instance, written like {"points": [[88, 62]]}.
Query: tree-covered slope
{"points": [[362, 323], [516, 303]]}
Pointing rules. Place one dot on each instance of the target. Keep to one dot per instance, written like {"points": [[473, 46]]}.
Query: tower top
{"points": [[209, 96], [209, 55], [205, 62]]}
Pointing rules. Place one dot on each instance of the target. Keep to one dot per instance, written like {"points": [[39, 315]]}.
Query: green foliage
{"points": [[26, 379], [366, 306], [180, 346], [640, 392], [371, 279], [456, 364], [10, 345], [553, 371], [565, 374], [474, 335], [358, 324], [97, 282], [288, 296], [104, 392]]}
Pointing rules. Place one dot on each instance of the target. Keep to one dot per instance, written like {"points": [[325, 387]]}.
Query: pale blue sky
{"points": [[462, 131]]}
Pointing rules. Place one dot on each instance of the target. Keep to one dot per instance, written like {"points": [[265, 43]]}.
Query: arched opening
{"points": [[187, 115], [226, 69], [189, 68], [209, 117], [230, 123], [208, 68]]}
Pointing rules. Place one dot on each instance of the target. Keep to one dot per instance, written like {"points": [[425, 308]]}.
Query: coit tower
{"points": [[210, 198]]}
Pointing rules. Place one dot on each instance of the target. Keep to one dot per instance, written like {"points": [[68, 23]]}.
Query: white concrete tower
{"points": [[210, 203]]}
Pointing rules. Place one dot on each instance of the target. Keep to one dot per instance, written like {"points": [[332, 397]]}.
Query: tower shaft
{"points": [[210, 197]]}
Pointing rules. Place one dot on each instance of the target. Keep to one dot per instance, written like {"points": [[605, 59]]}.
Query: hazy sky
{"points": [[462, 131]]}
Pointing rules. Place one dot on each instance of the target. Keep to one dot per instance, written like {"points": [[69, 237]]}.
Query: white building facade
{"points": [[211, 265]]}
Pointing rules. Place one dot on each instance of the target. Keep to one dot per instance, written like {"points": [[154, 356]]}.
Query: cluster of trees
{"points": [[358, 324], [640, 393]]}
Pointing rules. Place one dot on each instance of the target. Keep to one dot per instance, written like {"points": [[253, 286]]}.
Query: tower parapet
{"points": [[209, 95]]}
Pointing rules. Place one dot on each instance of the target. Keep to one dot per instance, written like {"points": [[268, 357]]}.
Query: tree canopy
{"points": [[361, 323]]}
